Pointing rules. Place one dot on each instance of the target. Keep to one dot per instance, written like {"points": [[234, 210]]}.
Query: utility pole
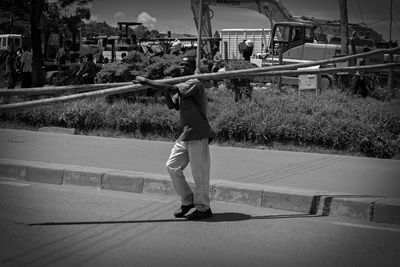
{"points": [[344, 27], [390, 82], [391, 21], [344, 37], [199, 35]]}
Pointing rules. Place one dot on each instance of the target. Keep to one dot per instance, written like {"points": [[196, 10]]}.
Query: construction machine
{"points": [[295, 39], [298, 38]]}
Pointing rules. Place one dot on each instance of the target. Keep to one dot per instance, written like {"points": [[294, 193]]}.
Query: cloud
{"points": [[147, 20], [119, 15], [94, 17]]}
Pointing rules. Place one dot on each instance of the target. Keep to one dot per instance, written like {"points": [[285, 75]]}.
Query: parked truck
{"points": [[323, 34], [298, 39]]}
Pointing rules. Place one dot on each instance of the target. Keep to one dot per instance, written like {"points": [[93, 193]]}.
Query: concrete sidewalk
{"points": [[332, 185]]}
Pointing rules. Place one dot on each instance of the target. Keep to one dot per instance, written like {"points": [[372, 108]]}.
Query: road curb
{"points": [[122, 181], [370, 208], [353, 206], [387, 210], [77, 175]]}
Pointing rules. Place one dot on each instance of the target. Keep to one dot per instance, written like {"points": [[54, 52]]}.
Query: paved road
{"points": [[366, 176], [58, 225]]}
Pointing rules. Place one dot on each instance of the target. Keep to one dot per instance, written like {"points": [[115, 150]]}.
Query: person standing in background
{"points": [[87, 71], [26, 68], [246, 49], [61, 59], [218, 63]]}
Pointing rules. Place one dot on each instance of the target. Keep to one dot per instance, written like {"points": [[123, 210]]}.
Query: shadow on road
{"points": [[234, 216], [218, 217]]}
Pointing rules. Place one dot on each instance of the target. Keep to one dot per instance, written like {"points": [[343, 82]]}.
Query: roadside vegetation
{"points": [[331, 122], [240, 113]]}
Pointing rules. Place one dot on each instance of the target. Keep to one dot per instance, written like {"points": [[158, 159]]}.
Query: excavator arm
{"points": [[205, 23], [272, 9]]}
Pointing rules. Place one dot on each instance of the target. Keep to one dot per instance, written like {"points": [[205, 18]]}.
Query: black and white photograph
{"points": [[200, 133]]}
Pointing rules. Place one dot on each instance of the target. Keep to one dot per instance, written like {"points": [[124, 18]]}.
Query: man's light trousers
{"points": [[198, 154]]}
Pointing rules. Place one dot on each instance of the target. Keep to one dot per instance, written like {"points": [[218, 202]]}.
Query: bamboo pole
{"points": [[245, 72], [329, 70], [53, 90], [204, 76], [53, 100], [284, 69], [137, 87]]}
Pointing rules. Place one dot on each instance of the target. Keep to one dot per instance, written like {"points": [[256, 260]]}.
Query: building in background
{"points": [[233, 37]]}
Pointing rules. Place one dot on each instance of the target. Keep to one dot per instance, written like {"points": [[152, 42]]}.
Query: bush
{"points": [[115, 72], [240, 86], [332, 120], [384, 94]]}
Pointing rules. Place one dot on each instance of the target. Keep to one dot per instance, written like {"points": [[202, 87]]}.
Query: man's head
{"points": [[188, 66], [249, 43]]}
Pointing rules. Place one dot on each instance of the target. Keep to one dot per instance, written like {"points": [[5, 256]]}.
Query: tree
{"points": [[94, 28], [142, 32], [41, 14], [74, 22], [37, 8], [13, 16], [154, 34]]}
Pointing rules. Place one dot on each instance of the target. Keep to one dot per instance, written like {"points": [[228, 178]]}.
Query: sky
{"points": [[176, 15]]}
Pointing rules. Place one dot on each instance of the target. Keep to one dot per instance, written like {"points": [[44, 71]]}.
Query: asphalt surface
{"points": [[66, 225], [333, 173]]}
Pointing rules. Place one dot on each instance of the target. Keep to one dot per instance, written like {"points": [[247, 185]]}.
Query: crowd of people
{"points": [[19, 67], [19, 63]]}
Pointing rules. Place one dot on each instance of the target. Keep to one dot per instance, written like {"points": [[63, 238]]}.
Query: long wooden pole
{"points": [[53, 100], [329, 70], [54, 90], [204, 76], [136, 87]]}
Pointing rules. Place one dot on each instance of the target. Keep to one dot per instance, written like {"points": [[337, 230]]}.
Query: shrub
{"points": [[240, 86], [384, 93], [333, 119], [114, 72]]}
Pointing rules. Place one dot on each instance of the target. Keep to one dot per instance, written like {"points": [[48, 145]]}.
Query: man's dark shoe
{"points": [[199, 215], [181, 212]]}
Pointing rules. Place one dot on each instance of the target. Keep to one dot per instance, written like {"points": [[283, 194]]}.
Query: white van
{"points": [[8, 41]]}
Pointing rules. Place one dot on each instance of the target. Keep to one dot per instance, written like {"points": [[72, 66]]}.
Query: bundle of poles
{"points": [[94, 90]]}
